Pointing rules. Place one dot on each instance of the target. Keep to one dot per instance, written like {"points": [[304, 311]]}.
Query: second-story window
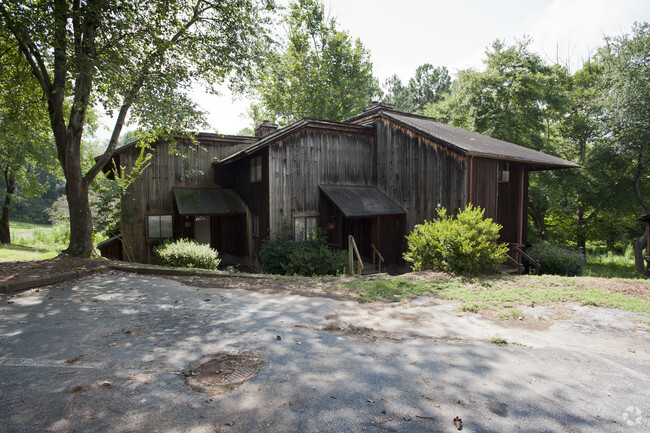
{"points": [[256, 169]]}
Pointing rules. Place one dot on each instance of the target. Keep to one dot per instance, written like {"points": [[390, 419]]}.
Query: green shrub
{"points": [[187, 253], [285, 256], [466, 243], [557, 260]]}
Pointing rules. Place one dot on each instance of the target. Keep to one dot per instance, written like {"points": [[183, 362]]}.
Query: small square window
{"points": [[160, 226], [303, 227]]}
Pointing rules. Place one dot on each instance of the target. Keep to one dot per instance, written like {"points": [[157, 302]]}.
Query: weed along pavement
{"points": [[125, 353]]}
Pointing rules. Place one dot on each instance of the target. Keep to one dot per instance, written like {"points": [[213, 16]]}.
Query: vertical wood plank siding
{"points": [[417, 173], [301, 162], [152, 193]]}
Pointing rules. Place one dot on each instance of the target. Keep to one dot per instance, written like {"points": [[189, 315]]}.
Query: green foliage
{"points": [[429, 85], [319, 71], [137, 59], [187, 253], [557, 260], [511, 100], [466, 243], [284, 256]]}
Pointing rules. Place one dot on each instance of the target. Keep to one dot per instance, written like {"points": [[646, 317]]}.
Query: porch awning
{"points": [[360, 201], [208, 201]]}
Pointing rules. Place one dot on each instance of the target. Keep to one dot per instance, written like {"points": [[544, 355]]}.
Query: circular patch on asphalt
{"points": [[222, 372]]}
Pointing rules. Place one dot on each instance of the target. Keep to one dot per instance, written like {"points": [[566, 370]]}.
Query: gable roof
{"points": [[204, 138], [296, 126], [474, 144]]}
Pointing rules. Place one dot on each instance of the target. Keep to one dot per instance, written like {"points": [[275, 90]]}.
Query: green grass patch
{"points": [[505, 295], [498, 341], [10, 253], [611, 265]]}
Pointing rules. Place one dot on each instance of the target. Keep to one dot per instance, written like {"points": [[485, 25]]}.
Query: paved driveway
{"points": [[111, 354]]}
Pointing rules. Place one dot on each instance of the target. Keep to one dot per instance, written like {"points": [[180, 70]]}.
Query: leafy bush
{"points": [[285, 256], [466, 243], [187, 253], [557, 260]]}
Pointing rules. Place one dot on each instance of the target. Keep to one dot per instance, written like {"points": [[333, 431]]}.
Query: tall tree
{"points": [[135, 57], [627, 113], [510, 100], [25, 139], [318, 71], [429, 85]]}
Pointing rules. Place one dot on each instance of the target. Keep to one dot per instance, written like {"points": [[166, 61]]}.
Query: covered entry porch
{"points": [[212, 216], [367, 215]]}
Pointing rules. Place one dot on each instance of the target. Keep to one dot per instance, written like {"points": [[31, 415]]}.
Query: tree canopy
{"points": [[317, 71], [137, 59], [25, 137], [429, 85]]}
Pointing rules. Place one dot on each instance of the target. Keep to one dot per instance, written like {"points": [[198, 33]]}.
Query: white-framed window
{"points": [[303, 227], [255, 165], [256, 225], [159, 226]]}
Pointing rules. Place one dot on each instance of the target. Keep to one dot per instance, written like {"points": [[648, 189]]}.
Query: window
{"points": [[503, 175], [160, 226], [256, 168], [256, 225], [303, 227]]}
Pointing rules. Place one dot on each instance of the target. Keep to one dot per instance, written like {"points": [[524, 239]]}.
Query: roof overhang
{"points": [[208, 201], [360, 201]]}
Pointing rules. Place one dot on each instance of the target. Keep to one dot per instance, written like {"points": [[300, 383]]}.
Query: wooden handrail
{"points": [[353, 250], [516, 264], [532, 261], [376, 253]]}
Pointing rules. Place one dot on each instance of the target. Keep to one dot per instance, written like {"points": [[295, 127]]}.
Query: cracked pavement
{"points": [[110, 354]]}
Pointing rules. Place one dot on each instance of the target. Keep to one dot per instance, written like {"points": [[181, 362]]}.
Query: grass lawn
{"points": [[610, 265], [505, 295], [32, 242], [11, 253]]}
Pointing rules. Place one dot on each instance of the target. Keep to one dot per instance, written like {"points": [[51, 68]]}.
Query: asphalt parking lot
{"points": [[115, 353]]}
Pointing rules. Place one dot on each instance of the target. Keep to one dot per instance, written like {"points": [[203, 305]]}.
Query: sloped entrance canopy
{"points": [[208, 201], [360, 201]]}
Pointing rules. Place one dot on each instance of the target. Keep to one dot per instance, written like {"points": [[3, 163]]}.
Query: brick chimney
{"points": [[265, 128], [376, 106]]}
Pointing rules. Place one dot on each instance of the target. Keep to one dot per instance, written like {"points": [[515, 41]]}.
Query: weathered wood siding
{"points": [[485, 185], [299, 163], [513, 205], [505, 202], [418, 174], [255, 195], [152, 193]]}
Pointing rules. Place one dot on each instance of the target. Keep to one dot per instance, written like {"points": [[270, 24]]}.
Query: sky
{"points": [[404, 34]]}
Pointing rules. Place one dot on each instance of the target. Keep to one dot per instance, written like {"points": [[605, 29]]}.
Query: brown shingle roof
{"points": [[472, 143]]}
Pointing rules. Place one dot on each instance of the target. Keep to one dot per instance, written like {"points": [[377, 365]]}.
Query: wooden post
{"points": [[647, 252], [350, 256]]}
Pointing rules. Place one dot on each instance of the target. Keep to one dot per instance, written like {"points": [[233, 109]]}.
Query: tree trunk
{"points": [[5, 233], [639, 244], [76, 189]]}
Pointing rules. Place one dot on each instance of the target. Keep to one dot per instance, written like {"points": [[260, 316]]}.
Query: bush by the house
{"points": [[466, 243], [557, 260], [285, 256], [187, 253]]}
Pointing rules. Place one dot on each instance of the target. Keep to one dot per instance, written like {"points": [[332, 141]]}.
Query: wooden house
{"points": [[374, 177]]}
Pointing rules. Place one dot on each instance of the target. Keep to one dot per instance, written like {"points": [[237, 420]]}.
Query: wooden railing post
{"points": [[352, 247]]}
